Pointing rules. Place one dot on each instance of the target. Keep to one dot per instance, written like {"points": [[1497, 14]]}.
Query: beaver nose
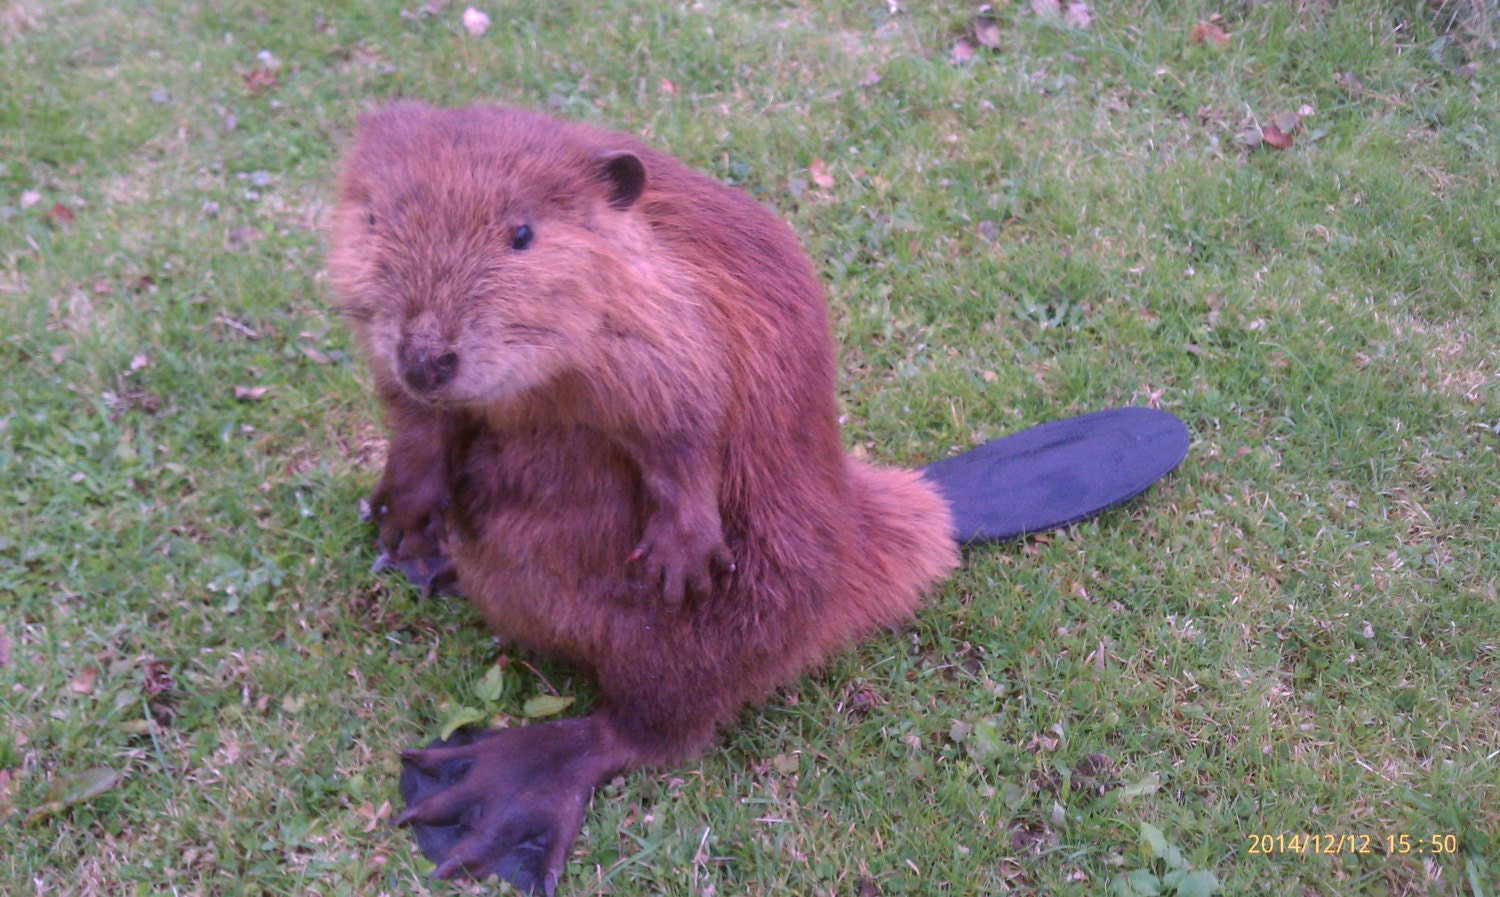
{"points": [[423, 368]]}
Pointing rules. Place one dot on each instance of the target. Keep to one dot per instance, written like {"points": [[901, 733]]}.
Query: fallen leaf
{"points": [[250, 393], [158, 678], [1077, 15], [870, 79], [315, 356], [1047, 9], [259, 80], [1287, 122], [545, 705], [1349, 81], [961, 53], [819, 174], [1207, 31], [668, 88], [475, 22], [139, 362], [72, 789], [30, 198], [1275, 138], [1147, 785], [61, 215], [241, 237], [4, 649], [136, 727], [987, 33], [374, 815], [83, 683], [462, 716]]}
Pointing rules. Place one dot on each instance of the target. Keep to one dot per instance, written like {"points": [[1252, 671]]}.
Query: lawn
{"points": [[1276, 673]]}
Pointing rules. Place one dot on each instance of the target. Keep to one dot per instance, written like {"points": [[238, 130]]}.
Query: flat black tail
{"points": [[1057, 473]]}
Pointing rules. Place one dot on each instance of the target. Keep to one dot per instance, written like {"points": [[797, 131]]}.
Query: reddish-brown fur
{"points": [[625, 432]]}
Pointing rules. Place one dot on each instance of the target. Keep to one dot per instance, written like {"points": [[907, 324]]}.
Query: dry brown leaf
{"points": [[668, 88], [870, 79], [1275, 138], [61, 215], [83, 683], [376, 816], [241, 237], [1287, 122], [259, 80], [819, 174], [315, 356], [157, 677], [1207, 31], [250, 393], [987, 33], [962, 52], [1077, 15]]}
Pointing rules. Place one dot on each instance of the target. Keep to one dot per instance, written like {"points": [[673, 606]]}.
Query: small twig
{"points": [[243, 329]]}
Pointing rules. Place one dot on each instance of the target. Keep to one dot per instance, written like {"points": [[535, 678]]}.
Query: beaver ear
{"points": [[625, 175]]}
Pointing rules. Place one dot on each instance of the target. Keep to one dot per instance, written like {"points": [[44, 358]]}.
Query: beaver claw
{"points": [[682, 559], [433, 575]]}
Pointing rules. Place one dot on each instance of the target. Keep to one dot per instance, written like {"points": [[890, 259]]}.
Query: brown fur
{"points": [[624, 433]]}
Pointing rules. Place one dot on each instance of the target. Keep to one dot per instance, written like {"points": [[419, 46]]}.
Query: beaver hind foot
{"points": [[506, 802]]}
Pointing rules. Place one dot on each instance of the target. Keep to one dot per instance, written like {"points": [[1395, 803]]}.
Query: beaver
{"points": [[609, 385]]}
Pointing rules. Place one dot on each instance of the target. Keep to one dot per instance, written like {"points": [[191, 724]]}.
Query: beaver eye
{"points": [[520, 238], [372, 219]]}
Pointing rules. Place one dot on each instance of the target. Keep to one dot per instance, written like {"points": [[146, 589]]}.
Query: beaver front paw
{"points": [[681, 556], [413, 534]]}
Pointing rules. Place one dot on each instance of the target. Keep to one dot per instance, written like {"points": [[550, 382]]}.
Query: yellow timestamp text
{"points": [[1420, 845]]}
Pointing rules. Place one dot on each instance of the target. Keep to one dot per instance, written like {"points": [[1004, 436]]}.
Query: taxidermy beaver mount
{"points": [[609, 384]]}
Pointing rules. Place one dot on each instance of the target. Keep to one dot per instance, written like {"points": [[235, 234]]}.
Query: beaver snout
{"points": [[425, 367]]}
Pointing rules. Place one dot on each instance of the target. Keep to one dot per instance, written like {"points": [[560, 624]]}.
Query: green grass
{"points": [[1297, 633]]}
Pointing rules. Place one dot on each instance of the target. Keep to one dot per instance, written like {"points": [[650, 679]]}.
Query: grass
{"points": [[1297, 633]]}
